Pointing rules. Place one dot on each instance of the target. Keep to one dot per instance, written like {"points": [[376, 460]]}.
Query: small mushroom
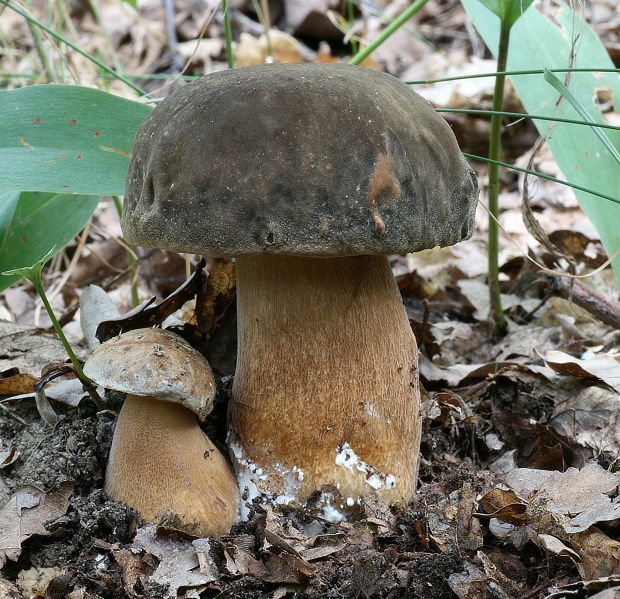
{"points": [[161, 463], [309, 175]]}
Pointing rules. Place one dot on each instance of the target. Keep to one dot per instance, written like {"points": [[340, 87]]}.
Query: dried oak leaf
{"points": [[178, 562], [590, 419], [25, 514], [562, 511]]}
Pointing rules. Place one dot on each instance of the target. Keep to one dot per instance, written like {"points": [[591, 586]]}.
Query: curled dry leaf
{"points": [[604, 367], [554, 546], [8, 457], [504, 504], [146, 315]]}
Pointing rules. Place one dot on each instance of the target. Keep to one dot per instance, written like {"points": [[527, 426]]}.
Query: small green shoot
{"points": [[228, 34], [508, 11], [33, 274]]}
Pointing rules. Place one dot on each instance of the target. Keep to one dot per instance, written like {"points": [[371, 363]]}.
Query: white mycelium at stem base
{"points": [[326, 389]]}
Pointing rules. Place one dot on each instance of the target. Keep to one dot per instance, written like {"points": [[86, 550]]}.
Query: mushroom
{"points": [[309, 175], [161, 463]]}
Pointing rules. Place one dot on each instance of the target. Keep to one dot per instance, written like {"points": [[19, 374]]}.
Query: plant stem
{"points": [[495, 152], [512, 74], [351, 20], [46, 63], [228, 35], [103, 29], [543, 176], [522, 115], [389, 30], [36, 281]]}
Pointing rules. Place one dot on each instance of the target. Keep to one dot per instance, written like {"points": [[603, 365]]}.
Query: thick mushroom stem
{"points": [[326, 390], [161, 464]]}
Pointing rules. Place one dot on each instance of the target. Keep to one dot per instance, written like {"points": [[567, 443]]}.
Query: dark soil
{"points": [[415, 553]]}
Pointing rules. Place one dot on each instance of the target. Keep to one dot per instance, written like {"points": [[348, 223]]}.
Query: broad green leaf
{"points": [[34, 223], [8, 201], [537, 42], [66, 139], [509, 10]]}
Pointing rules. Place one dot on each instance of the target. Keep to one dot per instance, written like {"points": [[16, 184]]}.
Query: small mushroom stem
{"points": [[326, 390], [161, 463]]}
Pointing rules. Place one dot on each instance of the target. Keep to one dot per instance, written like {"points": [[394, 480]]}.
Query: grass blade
{"points": [[581, 109]]}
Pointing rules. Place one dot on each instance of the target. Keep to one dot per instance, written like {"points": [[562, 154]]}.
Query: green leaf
{"points": [[66, 139], [31, 223], [507, 10], [536, 42], [32, 272]]}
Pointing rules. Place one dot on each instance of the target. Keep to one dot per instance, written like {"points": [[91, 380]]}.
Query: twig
{"points": [[574, 290], [424, 327]]}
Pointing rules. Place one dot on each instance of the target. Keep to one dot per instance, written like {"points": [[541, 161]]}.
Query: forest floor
{"points": [[520, 458]]}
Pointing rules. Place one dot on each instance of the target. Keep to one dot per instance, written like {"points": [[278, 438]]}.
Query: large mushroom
{"points": [[161, 463], [309, 175]]}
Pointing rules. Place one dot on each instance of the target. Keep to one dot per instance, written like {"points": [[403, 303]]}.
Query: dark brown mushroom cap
{"points": [[300, 159]]}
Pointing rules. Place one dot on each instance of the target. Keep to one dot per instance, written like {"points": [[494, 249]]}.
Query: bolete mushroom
{"points": [[309, 175], [161, 463]]}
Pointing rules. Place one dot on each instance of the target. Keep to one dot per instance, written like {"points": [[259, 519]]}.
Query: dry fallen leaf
{"points": [[25, 513], [178, 562], [504, 504], [562, 510], [17, 384], [29, 350], [591, 419], [578, 495], [8, 457], [604, 367]]}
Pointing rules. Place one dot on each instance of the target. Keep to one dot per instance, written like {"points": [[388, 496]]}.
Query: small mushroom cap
{"points": [[154, 363], [299, 159]]}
